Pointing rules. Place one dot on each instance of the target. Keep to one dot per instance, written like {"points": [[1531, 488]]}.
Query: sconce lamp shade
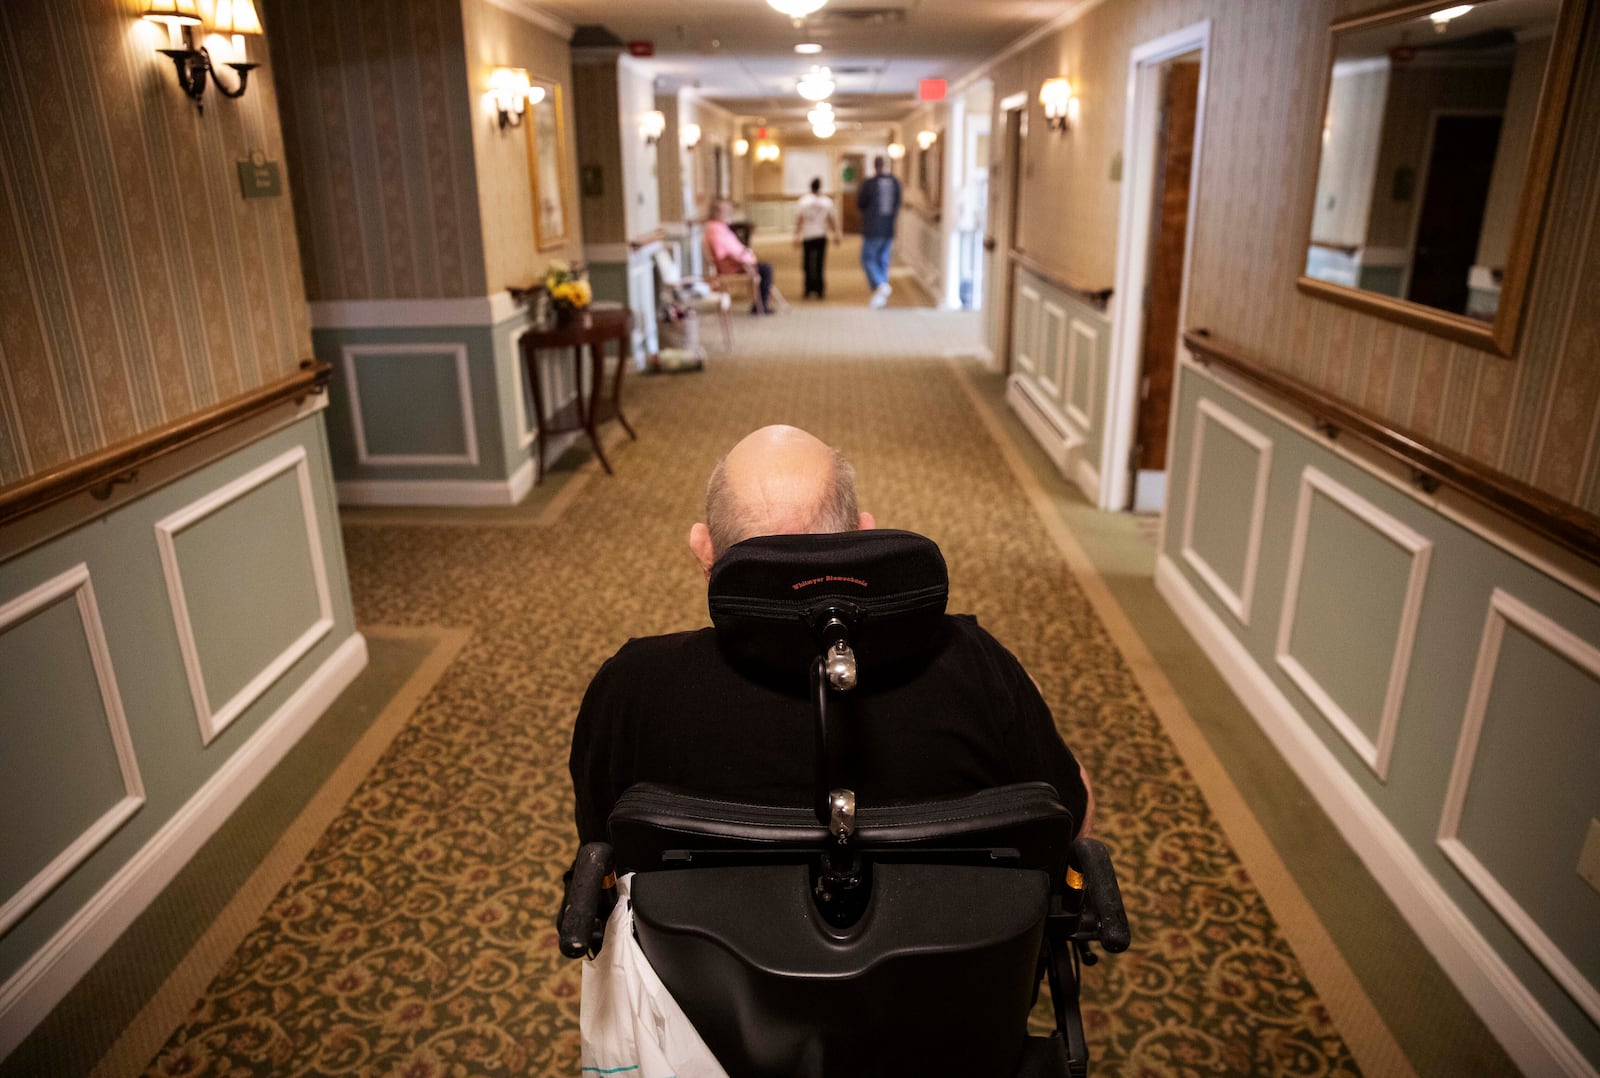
{"points": [[511, 91], [651, 125], [768, 151], [233, 17], [896, 151], [926, 138], [741, 147], [172, 12], [690, 134], [1059, 103]]}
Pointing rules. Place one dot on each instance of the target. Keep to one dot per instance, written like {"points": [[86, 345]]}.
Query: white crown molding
{"points": [[1510, 1011], [467, 458], [1238, 602], [213, 720], [1505, 608], [542, 19], [45, 979], [414, 313], [75, 582], [1374, 751], [438, 492]]}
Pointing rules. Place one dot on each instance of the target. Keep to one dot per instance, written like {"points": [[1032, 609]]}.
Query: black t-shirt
{"points": [[675, 710]]}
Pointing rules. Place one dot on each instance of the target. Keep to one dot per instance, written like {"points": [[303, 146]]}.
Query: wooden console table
{"points": [[587, 410]]}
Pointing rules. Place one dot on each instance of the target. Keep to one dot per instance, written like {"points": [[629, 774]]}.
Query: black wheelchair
{"points": [[842, 939]]}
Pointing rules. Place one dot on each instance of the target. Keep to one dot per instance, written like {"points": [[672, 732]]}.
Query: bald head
{"points": [[777, 481]]}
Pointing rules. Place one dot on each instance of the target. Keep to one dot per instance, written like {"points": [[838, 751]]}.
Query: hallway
{"points": [[417, 929]]}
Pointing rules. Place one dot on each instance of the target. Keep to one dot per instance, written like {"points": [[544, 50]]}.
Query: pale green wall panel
{"points": [[1224, 501], [1537, 755], [123, 557], [248, 583], [1040, 338], [411, 404], [55, 743], [409, 425], [1464, 570], [1347, 611]]}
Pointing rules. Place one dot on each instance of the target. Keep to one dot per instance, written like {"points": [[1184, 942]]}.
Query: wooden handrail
{"points": [[99, 472], [1432, 465], [641, 242], [1074, 286]]}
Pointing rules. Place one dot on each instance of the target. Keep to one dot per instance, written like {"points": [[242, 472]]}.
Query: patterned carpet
{"points": [[416, 938]]}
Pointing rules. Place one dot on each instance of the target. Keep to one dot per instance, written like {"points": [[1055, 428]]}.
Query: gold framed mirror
{"points": [[1440, 123], [547, 168]]}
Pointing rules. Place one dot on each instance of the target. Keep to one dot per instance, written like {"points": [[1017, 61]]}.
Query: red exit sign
{"points": [[931, 90], [641, 48]]}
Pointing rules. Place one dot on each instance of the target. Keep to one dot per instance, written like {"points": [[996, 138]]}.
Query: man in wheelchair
{"points": [[857, 834]]}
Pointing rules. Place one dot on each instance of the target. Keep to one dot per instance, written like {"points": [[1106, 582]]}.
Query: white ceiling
{"points": [[740, 53]]}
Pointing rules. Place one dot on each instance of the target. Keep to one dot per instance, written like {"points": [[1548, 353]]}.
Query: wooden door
{"points": [[1164, 280], [852, 170]]}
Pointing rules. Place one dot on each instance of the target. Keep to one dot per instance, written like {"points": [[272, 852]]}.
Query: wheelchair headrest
{"points": [[771, 596]]}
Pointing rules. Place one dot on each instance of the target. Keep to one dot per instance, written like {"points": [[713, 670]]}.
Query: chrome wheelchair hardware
{"points": [[841, 666], [842, 814]]}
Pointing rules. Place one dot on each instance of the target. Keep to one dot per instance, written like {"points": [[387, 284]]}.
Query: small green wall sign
{"points": [[259, 178]]}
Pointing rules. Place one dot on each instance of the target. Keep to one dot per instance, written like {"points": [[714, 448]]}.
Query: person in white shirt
{"points": [[814, 219]]}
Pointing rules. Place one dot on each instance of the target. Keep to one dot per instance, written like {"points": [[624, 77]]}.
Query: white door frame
{"points": [[1139, 135]]}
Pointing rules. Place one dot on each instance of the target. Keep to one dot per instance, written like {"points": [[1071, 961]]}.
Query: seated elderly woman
{"points": [[732, 256]]}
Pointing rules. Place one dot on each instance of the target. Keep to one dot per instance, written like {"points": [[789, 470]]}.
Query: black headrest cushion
{"points": [[768, 594]]}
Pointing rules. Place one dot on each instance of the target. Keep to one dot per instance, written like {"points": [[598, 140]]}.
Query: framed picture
{"points": [[547, 168]]}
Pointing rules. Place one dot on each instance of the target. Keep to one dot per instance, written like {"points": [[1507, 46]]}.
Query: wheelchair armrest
{"points": [[581, 923], [1102, 896]]}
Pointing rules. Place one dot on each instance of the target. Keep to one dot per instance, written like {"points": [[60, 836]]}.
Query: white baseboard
{"points": [[1087, 476], [438, 492], [28, 996], [1532, 1039]]}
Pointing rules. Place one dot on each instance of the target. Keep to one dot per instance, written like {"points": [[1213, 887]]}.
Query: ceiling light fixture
{"points": [[795, 9], [816, 84], [808, 48]]}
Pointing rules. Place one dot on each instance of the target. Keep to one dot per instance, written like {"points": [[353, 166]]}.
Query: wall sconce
{"points": [[512, 93], [741, 147], [1060, 104], [768, 151], [231, 18], [651, 125], [690, 134], [896, 151], [926, 138]]}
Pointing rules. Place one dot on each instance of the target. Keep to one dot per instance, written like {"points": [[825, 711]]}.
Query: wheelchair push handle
{"points": [[581, 925], [1102, 895]]}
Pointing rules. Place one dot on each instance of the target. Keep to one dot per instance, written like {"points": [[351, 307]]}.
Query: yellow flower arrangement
{"points": [[567, 291]]}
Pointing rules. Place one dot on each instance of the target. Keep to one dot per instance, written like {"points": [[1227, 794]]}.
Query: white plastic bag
{"points": [[629, 1023]]}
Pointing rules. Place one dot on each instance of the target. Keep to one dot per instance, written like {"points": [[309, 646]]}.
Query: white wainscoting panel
{"points": [[468, 457], [1053, 351], [76, 582], [1237, 600], [1504, 608], [1027, 329], [213, 719], [1081, 341], [1376, 753]]}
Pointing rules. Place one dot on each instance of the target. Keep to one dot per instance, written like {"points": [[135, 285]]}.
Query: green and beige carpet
{"points": [[416, 939]]}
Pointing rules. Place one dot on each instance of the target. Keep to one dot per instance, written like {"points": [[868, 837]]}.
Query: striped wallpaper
{"points": [[378, 123], [136, 285], [1535, 417]]}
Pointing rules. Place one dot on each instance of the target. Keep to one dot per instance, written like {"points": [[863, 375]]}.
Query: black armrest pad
{"points": [[1102, 896], [581, 922]]}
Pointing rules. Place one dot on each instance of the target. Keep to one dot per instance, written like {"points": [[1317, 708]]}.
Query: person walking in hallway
{"points": [[814, 219], [879, 201]]}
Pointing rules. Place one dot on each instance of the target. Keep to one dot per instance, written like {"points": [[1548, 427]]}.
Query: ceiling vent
{"points": [[857, 16]]}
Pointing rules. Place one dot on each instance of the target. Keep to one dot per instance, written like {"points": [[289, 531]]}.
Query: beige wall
{"points": [[612, 93], [1532, 417], [497, 38], [719, 128], [136, 285], [379, 136], [670, 159]]}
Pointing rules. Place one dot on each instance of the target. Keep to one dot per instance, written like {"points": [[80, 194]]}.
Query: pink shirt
{"points": [[726, 251]]}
